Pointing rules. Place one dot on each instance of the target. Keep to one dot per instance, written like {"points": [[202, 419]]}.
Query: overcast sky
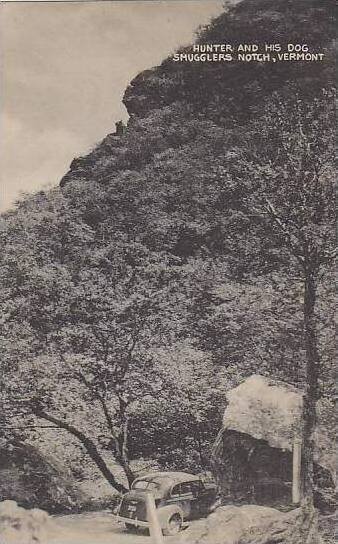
{"points": [[65, 66]]}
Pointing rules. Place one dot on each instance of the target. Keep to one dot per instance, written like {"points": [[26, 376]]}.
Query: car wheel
{"points": [[174, 525], [130, 528]]}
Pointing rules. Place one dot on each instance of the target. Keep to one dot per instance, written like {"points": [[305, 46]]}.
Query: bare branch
{"points": [[88, 444], [278, 221]]}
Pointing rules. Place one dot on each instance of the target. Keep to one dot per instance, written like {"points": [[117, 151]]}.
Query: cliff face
{"points": [[221, 92], [237, 87]]}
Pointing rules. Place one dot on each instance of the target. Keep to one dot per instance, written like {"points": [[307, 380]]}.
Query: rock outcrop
{"points": [[218, 91], [254, 525], [31, 479], [253, 453], [20, 526]]}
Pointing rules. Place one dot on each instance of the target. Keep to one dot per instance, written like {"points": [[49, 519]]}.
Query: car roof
{"points": [[174, 477]]}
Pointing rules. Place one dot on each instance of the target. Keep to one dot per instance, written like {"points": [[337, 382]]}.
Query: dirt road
{"points": [[99, 528]]}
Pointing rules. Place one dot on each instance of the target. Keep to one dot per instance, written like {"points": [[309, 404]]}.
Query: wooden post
{"points": [[296, 468], [154, 524]]}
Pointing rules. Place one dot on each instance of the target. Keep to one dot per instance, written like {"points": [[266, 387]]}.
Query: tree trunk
{"points": [[87, 443], [127, 470], [123, 443], [120, 442], [312, 390]]}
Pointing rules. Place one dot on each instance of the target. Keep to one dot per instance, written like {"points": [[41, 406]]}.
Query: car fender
{"points": [[165, 512]]}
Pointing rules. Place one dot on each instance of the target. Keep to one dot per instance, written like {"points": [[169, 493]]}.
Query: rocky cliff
{"points": [[161, 99]]}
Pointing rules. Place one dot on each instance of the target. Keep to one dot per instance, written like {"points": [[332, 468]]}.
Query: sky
{"points": [[65, 66]]}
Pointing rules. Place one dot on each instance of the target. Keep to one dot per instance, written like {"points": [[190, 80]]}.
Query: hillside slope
{"points": [[32, 479]]}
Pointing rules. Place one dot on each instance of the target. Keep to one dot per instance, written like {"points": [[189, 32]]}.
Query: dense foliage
{"points": [[176, 258]]}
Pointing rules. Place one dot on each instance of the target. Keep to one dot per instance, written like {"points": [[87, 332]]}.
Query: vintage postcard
{"points": [[167, 260]]}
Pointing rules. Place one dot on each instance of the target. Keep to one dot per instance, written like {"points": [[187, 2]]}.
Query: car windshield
{"points": [[145, 485]]}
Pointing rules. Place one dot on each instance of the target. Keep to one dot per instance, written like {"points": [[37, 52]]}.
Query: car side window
{"points": [[196, 488], [176, 490], [191, 487], [186, 487]]}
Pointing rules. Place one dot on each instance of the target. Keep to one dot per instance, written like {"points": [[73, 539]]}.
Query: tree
{"points": [[282, 180], [172, 231], [90, 309], [180, 425]]}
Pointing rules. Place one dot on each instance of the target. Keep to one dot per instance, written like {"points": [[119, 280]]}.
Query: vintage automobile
{"points": [[179, 497]]}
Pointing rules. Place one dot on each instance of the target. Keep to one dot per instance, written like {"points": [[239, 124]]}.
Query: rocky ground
{"points": [[228, 525], [247, 524]]}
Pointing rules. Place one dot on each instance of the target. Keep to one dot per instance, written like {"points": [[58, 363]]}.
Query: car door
{"points": [[189, 494], [181, 494], [208, 497], [199, 498]]}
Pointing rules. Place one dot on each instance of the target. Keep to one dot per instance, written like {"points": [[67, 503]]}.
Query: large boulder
{"points": [[253, 453], [20, 526]]}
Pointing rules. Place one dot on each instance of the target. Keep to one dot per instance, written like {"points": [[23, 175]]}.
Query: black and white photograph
{"points": [[167, 272]]}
